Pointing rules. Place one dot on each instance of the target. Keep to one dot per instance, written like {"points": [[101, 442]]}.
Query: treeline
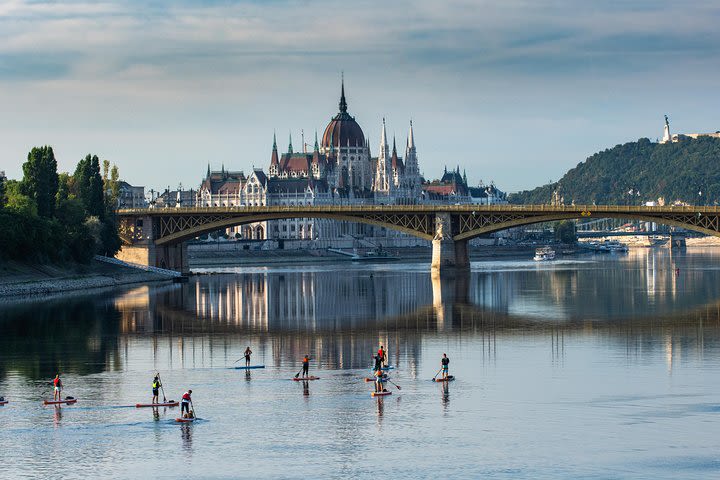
{"points": [[51, 217], [687, 171]]}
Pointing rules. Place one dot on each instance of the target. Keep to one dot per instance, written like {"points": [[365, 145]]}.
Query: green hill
{"points": [[673, 171]]}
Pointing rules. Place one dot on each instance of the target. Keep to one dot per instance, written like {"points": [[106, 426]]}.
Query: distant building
{"points": [[174, 199], [339, 171], [130, 196]]}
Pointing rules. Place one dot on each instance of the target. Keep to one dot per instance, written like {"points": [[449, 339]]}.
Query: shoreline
{"points": [[20, 282]]}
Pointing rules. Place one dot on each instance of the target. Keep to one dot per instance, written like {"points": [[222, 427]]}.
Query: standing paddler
{"points": [[306, 366], [156, 384], [383, 355], [57, 387], [185, 404], [247, 354], [445, 364]]}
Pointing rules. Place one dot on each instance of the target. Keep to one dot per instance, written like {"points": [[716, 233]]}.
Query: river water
{"points": [[594, 367]]}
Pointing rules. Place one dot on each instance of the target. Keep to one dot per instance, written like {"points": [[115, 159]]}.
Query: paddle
{"points": [[161, 387], [193, 409], [298, 373], [398, 386], [438, 373]]}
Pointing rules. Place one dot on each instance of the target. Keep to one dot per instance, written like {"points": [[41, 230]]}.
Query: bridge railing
{"points": [[424, 209]]}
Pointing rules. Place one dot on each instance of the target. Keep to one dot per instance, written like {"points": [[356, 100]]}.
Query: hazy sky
{"points": [[515, 91]]}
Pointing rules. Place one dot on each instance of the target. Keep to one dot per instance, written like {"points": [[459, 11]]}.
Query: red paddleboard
{"points": [[184, 420], [60, 402], [305, 378], [450, 378], [171, 403], [4, 402], [380, 394]]}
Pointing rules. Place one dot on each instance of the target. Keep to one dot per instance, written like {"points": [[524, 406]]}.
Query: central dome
{"points": [[343, 128]]}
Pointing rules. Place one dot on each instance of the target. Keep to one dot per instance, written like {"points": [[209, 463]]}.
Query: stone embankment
{"points": [[20, 281]]}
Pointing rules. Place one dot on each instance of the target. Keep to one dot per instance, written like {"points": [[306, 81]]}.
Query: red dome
{"points": [[343, 129]]}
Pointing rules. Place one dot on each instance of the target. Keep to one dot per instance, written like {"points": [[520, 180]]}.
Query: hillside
{"points": [[673, 171]]}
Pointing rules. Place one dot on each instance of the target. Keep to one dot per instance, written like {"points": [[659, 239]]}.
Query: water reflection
{"points": [[340, 316]]}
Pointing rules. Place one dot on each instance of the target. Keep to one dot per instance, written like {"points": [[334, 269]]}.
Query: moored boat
{"points": [[544, 254]]}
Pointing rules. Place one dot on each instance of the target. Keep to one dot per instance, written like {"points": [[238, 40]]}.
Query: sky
{"points": [[515, 91]]}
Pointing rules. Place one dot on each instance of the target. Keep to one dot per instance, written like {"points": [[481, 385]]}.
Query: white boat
{"points": [[544, 253]]}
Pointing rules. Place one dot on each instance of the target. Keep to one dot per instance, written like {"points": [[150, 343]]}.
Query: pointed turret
{"points": [[343, 103], [411, 137], [464, 177], [274, 162], [207, 175], [316, 148], [290, 150], [395, 162]]}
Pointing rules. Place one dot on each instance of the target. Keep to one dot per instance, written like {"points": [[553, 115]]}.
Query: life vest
{"points": [[186, 396], [156, 384], [56, 381]]}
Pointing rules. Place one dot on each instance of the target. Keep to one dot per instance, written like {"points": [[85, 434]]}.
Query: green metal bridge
{"points": [[157, 236]]}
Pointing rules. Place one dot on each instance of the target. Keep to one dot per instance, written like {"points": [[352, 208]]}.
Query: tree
{"points": [[40, 179], [18, 202], [2, 191], [565, 231], [89, 186]]}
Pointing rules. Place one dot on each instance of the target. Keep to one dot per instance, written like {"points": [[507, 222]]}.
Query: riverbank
{"points": [[22, 280]]}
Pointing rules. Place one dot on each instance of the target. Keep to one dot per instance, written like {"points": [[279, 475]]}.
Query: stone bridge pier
{"points": [[143, 250], [448, 255]]}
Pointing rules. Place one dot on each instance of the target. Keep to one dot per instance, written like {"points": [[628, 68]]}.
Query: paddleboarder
{"points": [[247, 354], [156, 389], [306, 366], [185, 404], [379, 381], [57, 384], [378, 363], [445, 363], [383, 355]]}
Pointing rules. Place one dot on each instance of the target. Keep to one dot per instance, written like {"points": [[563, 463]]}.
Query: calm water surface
{"points": [[595, 367]]}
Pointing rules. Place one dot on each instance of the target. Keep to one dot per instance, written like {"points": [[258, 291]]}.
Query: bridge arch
{"points": [[223, 223], [708, 225]]}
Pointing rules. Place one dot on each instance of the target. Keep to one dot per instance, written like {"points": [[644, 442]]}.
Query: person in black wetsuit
{"points": [[306, 366], [445, 363], [247, 354]]}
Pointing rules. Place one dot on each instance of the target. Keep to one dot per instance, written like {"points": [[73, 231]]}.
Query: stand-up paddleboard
{"points": [[171, 403], [386, 368], [4, 402], [298, 379], [450, 378], [380, 394], [185, 420], [67, 401], [368, 379], [251, 367]]}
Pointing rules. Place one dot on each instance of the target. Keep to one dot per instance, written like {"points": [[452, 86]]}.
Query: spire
{"points": [[290, 150], [394, 151], [464, 177], [274, 161], [411, 137], [316, 147], [207, 175], [343, 103]]}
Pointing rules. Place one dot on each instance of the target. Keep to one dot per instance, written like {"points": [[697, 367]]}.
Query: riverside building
{"points": [[340, 170]]}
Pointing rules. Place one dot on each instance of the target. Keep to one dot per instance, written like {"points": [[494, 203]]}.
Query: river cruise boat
{"points": [[543, 254]]}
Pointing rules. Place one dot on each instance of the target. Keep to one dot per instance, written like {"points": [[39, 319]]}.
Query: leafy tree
{"points": [[565, 231], [2, 191], [18, 202], [40, 179]]}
